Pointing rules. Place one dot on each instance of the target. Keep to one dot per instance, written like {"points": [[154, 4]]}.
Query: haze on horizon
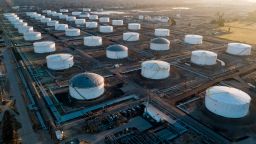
{"points": [[125, 3]]}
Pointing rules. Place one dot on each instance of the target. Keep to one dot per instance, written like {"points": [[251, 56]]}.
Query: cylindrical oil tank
{"points": [[32, 36], [106, 29], [117, 22], [39, 16], [91, 25], [92, 41], [61, 27], [155, 69], [203, 57], [63, 16], [25, 29], [45, 20], [117, 51], [56, 14], [160, 44], [53, 13], [60, 61], [48, 12], [93, 17], [44, 47], [76, 13], [193, 39], [52, 23], [17, 25], [164, 19], [86, 9], [72, 32], [80, 21], [44, 11], [131, 36], [228, 102], [71, 18], [86, 86], [162, 32], [104, 19], [239, 49], [63, 10], [84, 15], [141, 17], [134, 26]]}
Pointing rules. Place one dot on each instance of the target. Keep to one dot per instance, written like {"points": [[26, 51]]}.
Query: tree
{"points": [[220, 21], [9, 128]]}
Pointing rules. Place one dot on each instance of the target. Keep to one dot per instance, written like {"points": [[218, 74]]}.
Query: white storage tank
{"points": [[134, 26], [117, 51], [106, 29], [48, 12], [76, 13], [63, 10], [72, 32], [80, 21], [86, 86], [164, 19], [31, 14], [23, 24], [7, 15], [61, 27], [160, 44], [117, 22], [17, 22], [60, 61], [227, 101], [239, 49], [45, 20], [70, 18], [91, 25], [24, 29], [92, 41], [56, 14], [13, 21], [52, 23], [155, 69], [203, 57], [86, 9], [93, 17], [44, 47], [104, 19], [162, 32], [32, 36], [44, 11], [141, 17], [85, 15], [131, 36], [39, 16], [193, 39], [63, 16], [53, 13]]}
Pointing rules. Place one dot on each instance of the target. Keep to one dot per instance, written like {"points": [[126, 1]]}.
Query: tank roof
{"points": [[117, 47], [160, 41], [228, 95], [86, 80]]}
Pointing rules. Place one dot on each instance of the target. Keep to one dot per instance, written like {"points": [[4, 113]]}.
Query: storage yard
{"points": [[132, 76]]}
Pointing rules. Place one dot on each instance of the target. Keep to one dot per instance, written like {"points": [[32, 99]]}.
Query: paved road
{"points": [[27, 134]]}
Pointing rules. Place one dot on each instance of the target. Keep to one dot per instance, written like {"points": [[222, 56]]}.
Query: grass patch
{"points": [[244, 32]]}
